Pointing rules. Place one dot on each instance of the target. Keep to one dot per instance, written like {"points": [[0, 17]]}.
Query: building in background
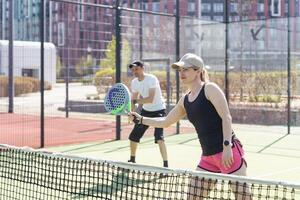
{"points": [[257, 33], [26, 20], [80, 32]]}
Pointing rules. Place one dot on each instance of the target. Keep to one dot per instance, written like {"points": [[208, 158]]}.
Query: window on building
{"points": [[236, 18], [191, 7], [80, 11], [260, 8], [276, 8], [26, 8], [234, 7], [165, 2], [145, 6], [286, 8], [61, 33], [156, 6], [207, 18], [245, 18], [218, 18], [19, 10], [218, 7], [206, 7], [56, 6]]}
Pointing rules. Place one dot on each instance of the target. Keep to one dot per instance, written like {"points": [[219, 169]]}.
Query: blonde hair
{"points": [[204, 75]]}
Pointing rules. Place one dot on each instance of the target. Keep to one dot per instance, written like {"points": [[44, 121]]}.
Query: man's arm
{"points": [[148, 99], [134, 96]]}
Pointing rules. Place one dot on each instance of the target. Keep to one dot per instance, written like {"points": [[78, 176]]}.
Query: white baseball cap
{"points": [[189, 60]]}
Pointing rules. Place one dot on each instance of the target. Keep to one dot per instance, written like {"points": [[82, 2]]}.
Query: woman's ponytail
{"points": [[204, 75]]}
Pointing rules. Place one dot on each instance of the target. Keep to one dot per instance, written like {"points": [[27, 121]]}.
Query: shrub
{"points": [[3, 86], [265, 98], [22, 85], [104, 78]]}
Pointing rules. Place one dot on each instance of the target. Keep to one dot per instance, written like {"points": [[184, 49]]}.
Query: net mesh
{"points": [[30, 174]]}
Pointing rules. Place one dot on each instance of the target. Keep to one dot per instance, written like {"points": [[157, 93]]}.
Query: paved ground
{"points": [[280, 161]]}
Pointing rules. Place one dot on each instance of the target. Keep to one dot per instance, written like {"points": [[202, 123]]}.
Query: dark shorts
{"points": [[139, 129]]}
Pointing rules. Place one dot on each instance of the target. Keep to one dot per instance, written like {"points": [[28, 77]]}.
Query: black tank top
{"points": [[208, 124]]}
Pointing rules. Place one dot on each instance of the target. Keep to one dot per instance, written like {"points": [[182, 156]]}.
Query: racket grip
{"points": [[136, 120]]}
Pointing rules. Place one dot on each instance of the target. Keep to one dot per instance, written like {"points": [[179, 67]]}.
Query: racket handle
{"points": [[136, 120]]}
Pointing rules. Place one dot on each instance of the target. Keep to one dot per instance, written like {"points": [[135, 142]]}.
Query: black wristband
{"points": [[141, 120]]}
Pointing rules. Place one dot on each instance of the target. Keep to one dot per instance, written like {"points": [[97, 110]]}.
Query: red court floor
{"points": [[24, 130]]}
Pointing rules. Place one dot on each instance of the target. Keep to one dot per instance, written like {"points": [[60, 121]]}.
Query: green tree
{"points": [[125, 54], [84, 66], [110, 55], [58, 67]]}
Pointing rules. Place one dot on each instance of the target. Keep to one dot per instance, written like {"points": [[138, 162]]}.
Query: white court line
{"points": [[278, 172]]}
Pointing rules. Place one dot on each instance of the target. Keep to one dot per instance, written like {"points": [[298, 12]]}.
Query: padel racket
{"points": [[117, 100]]}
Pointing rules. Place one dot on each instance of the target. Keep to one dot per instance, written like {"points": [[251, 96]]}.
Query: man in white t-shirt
{"points": [[146, 91]]}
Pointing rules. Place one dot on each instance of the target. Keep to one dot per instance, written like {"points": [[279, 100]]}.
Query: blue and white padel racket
{"points": [[117, 100]]}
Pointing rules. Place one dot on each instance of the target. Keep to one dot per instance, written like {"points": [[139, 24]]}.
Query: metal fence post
{"points": [[177, 32], [226, 50], [42, 18], [10, 60], [288, 71], [118, 62]]}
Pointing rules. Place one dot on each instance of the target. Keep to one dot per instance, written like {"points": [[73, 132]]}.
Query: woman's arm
{"points": [[174, 116], [216, 96]]}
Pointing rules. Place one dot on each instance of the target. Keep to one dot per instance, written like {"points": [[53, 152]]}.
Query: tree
{"points": [[110, 55], [58, 67], [125, 54], [84, 66]]}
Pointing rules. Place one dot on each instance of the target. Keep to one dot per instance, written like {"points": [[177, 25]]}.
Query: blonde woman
{"points": [[206, 108]]}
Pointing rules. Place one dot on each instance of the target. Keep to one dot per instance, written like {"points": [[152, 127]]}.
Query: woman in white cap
{"points": [[206, 108]]}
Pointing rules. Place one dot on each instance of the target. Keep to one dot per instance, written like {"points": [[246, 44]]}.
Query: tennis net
{"points": [[31, 174]]}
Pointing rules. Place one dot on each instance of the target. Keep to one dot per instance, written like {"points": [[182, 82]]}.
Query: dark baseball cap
{"points": [[136, 64]]}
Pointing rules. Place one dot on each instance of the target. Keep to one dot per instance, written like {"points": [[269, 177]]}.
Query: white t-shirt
{"points": [[142, 87]]}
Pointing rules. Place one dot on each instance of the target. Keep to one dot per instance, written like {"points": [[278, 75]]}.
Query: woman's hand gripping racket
{"points": [[118, 100]]}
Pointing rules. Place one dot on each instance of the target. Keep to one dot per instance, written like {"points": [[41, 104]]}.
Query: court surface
{"points": [[280, 161]]}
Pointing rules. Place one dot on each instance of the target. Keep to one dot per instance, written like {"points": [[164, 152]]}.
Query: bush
{"points": [[265, 98], [3, 86], [104, 78], [255, 87], [22, 85]]}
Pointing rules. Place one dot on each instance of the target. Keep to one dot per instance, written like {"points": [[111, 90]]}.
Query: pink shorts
{"points": [[213, 163]]}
